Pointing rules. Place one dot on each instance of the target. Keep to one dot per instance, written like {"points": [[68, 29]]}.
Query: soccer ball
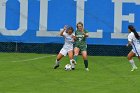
{"points": [[67, 67]]}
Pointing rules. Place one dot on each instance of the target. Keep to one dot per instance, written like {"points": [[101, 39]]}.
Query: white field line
{"points": [[33, 58]]}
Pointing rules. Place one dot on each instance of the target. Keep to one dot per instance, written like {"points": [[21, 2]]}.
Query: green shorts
{"points": [[81, 47]]}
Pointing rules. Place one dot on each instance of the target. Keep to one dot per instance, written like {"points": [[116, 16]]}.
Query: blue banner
{"points": [[39, 21]]}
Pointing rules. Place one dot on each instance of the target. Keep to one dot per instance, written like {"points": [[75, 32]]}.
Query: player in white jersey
{"points": [[69, 36], [134, 41]]}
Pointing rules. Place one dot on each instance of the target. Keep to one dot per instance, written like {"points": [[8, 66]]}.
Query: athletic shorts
{"points": [[64, 51], [137, 53], [81, 47]]}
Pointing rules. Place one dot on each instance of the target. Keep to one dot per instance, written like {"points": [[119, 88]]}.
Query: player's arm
{"points": [[85, 34], [129, 43], [73, 36], [64, 29], [130, 39]]}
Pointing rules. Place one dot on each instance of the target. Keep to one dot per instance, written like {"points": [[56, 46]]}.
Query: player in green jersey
{"points": [[80, 44]]}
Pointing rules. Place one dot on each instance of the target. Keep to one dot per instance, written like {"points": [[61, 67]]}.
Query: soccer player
{"points": [[134, 41], [69, 36], [80, 44]]}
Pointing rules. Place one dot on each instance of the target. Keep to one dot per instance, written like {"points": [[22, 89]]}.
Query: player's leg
{"points": [[62, 53], [130, 56], [138, 53], [59, 56], [139, 57], [84, 55], [76, 53], [72, 62]]}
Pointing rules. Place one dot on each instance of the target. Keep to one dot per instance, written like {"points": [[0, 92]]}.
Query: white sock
{"points": [[132, 63], [72, 65], [57, 62]]}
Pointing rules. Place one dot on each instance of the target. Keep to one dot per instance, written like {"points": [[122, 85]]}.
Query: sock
{"points": [[86, 63], [57, 62], [132, 63], [75, 58], [72, 65]]}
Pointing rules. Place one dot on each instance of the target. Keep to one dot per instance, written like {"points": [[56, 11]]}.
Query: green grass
{"points": [[25, 73]]}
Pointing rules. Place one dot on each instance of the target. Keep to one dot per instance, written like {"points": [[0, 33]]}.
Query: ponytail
{"points": [[132, 29]]}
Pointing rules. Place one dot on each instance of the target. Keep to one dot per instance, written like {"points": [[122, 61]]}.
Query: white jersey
{"points": [[135, 43], [68, 40], [68, 46]]}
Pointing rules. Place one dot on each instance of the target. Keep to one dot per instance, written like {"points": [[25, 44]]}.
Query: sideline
{"points": [[33, 58]]}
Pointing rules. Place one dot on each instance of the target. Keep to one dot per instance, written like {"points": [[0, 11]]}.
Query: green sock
{"points": [[86, 63], [75, 58]]}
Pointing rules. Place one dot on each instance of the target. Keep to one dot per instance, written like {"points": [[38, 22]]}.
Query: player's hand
{"points": [[74, 37], [83, 34], [127, 45], [65, 27]]}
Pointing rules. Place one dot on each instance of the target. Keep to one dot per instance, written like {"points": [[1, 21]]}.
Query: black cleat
{"points": [[74, 62], [55, 67], [73, 68]]}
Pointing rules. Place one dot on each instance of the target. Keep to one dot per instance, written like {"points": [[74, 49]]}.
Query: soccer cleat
{"points": [[56, 66], [73, 68], [86, 69], [74, 62], [134, 68]]}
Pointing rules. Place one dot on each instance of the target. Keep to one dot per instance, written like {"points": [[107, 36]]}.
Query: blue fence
{"points": [[39, 21]]}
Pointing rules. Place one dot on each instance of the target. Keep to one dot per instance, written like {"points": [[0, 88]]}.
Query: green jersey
{"points": [[80, 38]]}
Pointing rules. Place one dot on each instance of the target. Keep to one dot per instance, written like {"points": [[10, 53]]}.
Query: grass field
{"points": [[33, 73]]}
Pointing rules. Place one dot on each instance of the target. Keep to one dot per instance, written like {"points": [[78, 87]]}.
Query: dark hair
{"points": [[70, 28], [132, 29], [79, 23]]}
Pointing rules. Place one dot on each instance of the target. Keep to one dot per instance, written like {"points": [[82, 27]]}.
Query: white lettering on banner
{"points": [[118, 18], [23, 18], [80, 18], [80, 11], [43, 32]]}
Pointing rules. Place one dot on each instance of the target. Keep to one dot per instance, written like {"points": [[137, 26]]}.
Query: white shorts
{"points": [[137, 53], [64, 51]]}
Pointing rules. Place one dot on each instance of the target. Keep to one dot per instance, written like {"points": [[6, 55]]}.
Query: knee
{"points": [[76, 53]]}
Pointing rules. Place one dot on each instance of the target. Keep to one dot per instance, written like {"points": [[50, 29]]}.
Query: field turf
{"points": [[34, 73]]}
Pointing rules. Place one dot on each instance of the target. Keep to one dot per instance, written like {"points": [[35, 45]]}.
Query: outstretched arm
{"points": [[64, 29]]}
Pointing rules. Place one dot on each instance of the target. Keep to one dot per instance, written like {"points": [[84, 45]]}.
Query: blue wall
{"points": [[98, 14]]}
